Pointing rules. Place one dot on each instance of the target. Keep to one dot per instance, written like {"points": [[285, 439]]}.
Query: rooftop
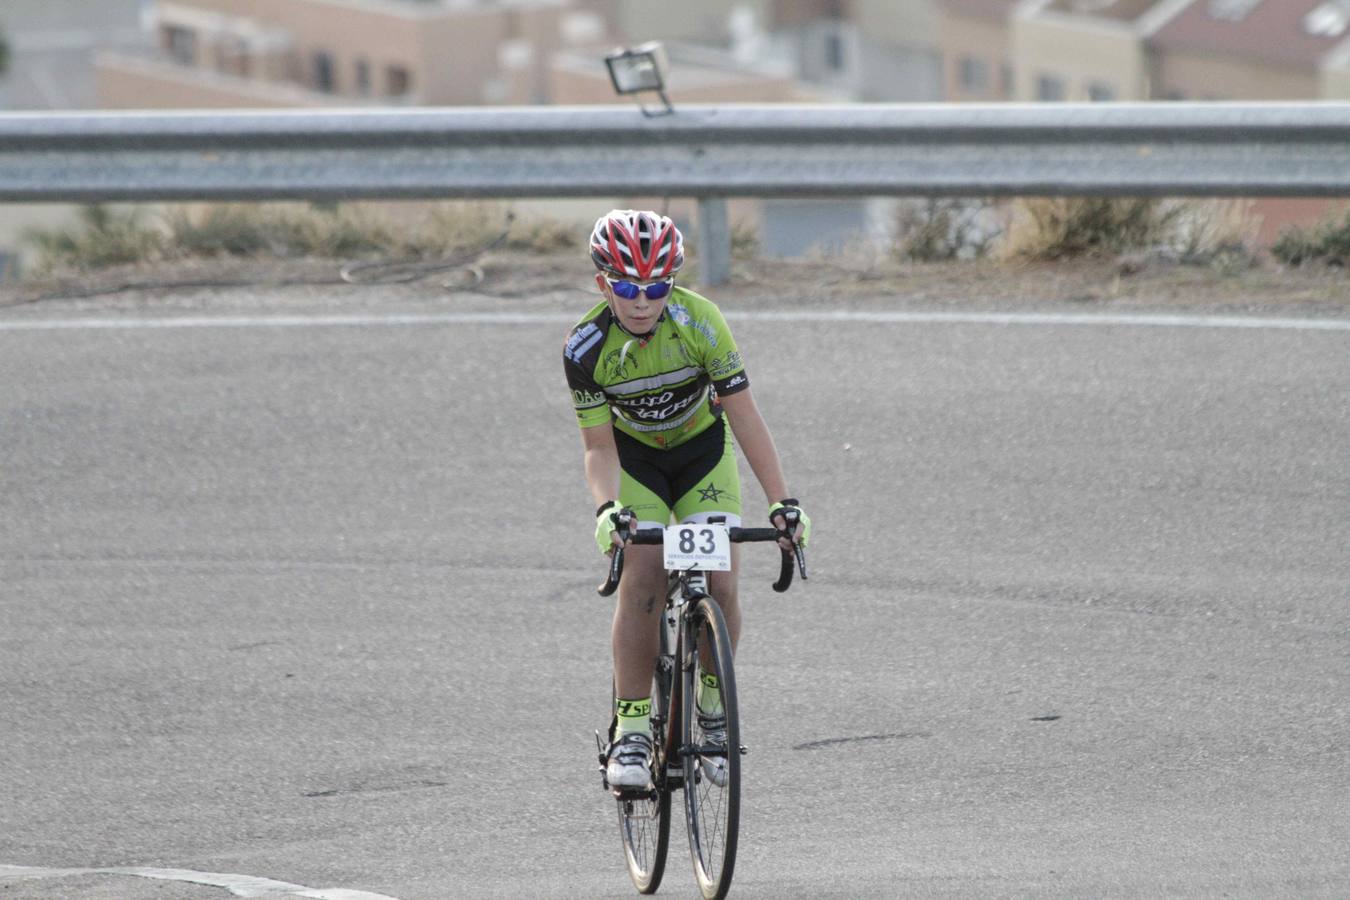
{"points": [[1119, 10], [1288, 32], [980, 9]]}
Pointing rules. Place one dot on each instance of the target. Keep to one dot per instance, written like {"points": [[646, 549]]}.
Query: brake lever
{"points": [[623, 527]]}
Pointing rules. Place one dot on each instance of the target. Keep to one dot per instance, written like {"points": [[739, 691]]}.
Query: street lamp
{"points": [[636, 70]]}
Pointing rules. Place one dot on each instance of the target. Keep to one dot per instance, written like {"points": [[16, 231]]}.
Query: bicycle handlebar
{"points": [[738, 536]]}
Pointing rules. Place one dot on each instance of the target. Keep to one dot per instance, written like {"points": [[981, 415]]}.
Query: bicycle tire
{"points": [[712, 811], [644, 824]]}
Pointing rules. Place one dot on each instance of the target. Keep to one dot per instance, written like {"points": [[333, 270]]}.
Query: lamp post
{"points": [[641, 69]]}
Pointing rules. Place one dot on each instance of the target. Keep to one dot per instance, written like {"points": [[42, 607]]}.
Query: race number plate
{"points": [[705, 547]]}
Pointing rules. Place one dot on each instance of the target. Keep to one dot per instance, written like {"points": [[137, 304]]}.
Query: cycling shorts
{"points": [[693, 480]]}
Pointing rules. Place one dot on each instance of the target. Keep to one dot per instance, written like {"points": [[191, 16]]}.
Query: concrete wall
{"points": [[1079, 53], [455, 55], [1335, 83], [912, 23], [696, 21], [449, 55], [987, 40], [52, 47], [133, 83], [1200, 76]]}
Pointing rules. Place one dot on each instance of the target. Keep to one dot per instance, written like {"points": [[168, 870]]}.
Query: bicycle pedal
{"points": [[633, 794]]}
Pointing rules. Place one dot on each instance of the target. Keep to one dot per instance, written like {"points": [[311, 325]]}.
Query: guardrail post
{"points": [[714, 241]]}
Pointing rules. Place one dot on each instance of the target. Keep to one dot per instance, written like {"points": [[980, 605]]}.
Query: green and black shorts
{"points": [[692, 481]]}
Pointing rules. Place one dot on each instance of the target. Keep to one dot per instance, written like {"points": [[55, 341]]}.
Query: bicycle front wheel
{"points": [[644, 823], [712, 751]]}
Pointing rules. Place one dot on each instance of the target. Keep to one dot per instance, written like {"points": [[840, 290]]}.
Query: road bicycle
{"points": [[694, 642]]}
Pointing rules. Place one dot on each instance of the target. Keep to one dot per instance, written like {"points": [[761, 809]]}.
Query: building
{"points": [[1086, 50], [976, 46], [1258, 50], [1103, 50], [1253, 50], [52, 47], [279, 53]]}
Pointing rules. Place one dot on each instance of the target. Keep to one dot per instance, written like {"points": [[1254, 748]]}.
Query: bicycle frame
{"points": [[682, 590]]}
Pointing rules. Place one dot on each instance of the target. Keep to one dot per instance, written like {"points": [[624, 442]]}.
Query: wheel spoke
{"points": [[644, 822], [712, 810]]}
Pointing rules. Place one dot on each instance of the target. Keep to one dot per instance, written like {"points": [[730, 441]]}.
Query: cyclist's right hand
{"points": [[607, 524]]}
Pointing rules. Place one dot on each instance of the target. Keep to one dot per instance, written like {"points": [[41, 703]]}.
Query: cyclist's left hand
{"points": [[781, 512]]}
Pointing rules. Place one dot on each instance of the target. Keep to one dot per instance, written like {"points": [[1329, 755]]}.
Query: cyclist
{"points": [[656, 376]]}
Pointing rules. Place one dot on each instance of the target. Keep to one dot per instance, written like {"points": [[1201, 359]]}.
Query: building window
{"points": [[233, 57], [834, 52], [363, 78], [1101, 92], [973, 74], [397, 81], [181, 44], [1231, 10], [325, 75], [1328, 20], [1049, 88]]}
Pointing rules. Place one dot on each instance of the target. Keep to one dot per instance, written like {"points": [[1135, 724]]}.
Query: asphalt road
{"points": [[315, 604]]}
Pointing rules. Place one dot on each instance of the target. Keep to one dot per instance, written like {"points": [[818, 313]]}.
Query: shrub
{"points": [[104, 237], [1215, 233], [1329, 242], [935, 230], [744, 241], [545, 235], [252, 230], [1335, 240], [1294, 246], [228, 230], [1050, 228], [453, 227]]}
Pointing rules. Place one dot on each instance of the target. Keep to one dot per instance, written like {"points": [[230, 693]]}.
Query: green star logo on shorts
{"points": [[711, 493]]}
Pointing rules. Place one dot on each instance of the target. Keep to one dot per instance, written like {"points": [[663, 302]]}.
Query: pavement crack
{"points": [[831, 742], [378, 788]]}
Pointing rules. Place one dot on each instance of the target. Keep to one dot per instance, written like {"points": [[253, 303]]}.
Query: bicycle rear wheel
{"points": [[644, 823], [712, 773]]}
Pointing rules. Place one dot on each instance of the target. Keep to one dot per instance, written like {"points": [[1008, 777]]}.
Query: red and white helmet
{"points": [[630, 243]]}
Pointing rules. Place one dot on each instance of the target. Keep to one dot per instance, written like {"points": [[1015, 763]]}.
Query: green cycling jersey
{"points": [[661, 388]]}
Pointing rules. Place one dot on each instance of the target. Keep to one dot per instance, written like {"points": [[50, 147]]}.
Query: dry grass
{"points": [[101, 238], [943, 229], [1328, 242], [1053, 228], [1217, 233], [105, 237]]}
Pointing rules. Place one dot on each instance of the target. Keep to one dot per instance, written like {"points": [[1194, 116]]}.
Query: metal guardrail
{"points": [[708, 152]]}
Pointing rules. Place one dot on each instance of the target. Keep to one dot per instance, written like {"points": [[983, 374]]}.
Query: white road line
{"points": [[803, 316], [239, 885]]}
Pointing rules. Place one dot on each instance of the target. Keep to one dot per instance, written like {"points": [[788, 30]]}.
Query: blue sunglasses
{"points": [[629, 291]]}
